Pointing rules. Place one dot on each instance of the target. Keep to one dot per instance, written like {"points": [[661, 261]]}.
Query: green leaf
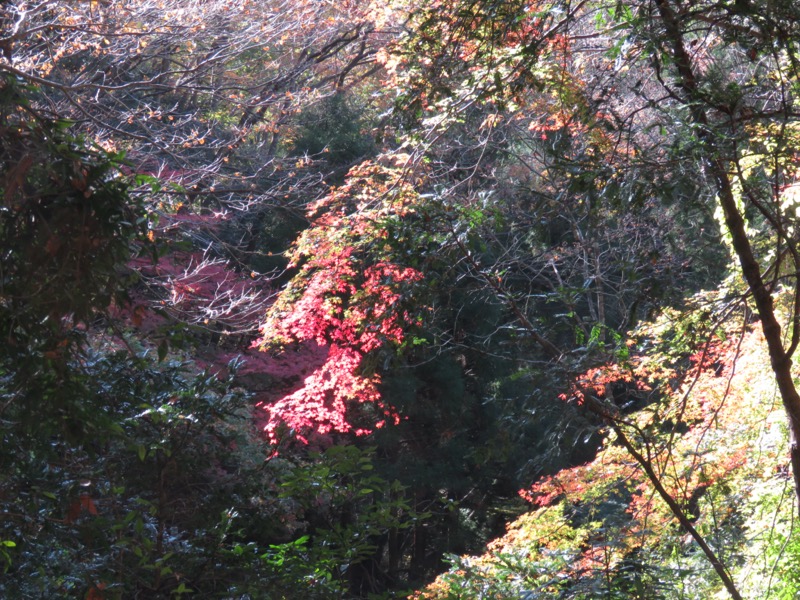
{"points": [[182, 589]]}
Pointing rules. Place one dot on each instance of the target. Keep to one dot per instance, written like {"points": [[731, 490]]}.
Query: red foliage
{"points": [[338, 306], [353, 314], [348, 296], [83, 503], [194, 287], [96, 592], [319, 407], [706, 397], [573, 483], [596, 381]]}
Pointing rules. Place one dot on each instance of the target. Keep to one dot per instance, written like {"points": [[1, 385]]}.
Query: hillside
{"points": [[715, 435]]}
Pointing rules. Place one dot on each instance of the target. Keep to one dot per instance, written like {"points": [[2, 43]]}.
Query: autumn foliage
{"points": [[364, 280], [349, 296], [702, 424]]}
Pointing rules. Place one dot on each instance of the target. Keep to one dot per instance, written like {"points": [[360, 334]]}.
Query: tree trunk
{"points": [[780, 359]]}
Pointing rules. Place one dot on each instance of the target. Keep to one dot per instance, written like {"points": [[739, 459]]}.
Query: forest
{"points": [[363, 299]]}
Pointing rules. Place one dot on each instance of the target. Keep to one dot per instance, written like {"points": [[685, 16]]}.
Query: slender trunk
{"points": [[646, 464], [419, 545], [780, 359], [676, 510], [600, 294]]}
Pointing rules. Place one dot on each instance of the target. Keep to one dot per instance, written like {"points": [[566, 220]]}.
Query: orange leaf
{"points": [[96, 592]]}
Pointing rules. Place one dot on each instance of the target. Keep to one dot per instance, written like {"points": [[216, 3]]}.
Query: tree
{"points": [[611, 94], [463, 209], [746, 175], [67, 224], [104, 417], [717, 102], [203, 101]]}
